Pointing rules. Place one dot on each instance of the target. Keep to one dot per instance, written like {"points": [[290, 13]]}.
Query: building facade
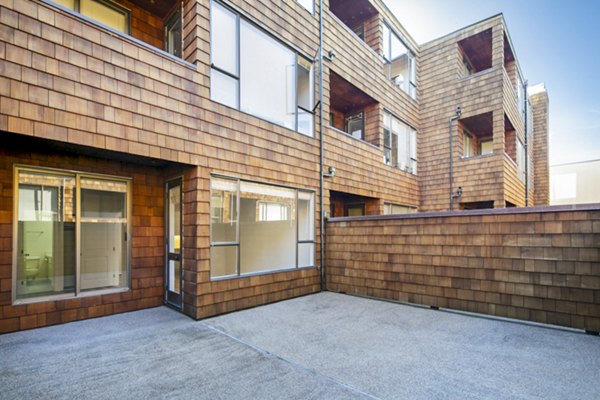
{"points": [[575, 183], [187, 152]]}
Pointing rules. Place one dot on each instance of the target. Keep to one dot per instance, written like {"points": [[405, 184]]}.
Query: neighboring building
{"points": [[170, 151], [476, 69], [575, 183]]}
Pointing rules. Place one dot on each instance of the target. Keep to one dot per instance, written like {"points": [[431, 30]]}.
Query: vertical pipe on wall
{"points": [[526, 108], [452, 119], [321, 154]]}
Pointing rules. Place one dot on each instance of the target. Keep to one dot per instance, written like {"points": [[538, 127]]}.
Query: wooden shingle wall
{"points": [[67, 80], [538, 264], [146, 248], [541, 174]]}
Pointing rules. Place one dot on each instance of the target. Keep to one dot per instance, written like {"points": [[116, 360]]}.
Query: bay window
{"points": [[399, 144], [256, 74], [259, 228], [71, 233]]}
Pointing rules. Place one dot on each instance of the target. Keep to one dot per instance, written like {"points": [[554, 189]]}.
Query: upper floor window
{"points": [[390, 208], [399, 144], [173, 40], [106, 12], [401, 66], [520, 95], [520, 160], [256, 74], [308, 4]]}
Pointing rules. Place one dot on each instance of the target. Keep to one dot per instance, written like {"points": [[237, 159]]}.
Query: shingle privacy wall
{"points": [[540, 264]]}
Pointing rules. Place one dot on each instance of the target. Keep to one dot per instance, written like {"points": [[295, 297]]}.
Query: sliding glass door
{"points": [[71, 233]]}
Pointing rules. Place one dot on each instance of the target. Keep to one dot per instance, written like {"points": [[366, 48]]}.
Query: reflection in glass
{"points": [[224, 89], [223, 43], [223, 211], [223, 260], [45, 234], [270, 243], [103, 234], [263, 63]]}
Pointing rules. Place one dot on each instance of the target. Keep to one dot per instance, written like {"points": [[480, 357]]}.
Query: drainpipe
{"points": [[321, 154], [450, 121], [525, 86]]}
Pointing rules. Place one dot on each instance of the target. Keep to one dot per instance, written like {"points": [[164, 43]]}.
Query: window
{"points": [[474, 146], [359, 31], [60, 212], [273, 230], [520, 95], [354, 210], [486, 146], [400, 62], [173, 40], [389, 208], [256, 74], [399, 144], [468, 145], [355, 125], [105, 12], [520, 160], [308, 4]]}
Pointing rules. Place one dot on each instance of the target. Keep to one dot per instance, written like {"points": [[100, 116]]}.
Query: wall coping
{"points": [[470, 213]]}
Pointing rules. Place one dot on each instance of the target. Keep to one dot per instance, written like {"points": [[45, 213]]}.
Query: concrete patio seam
{"points": [[292, 363]]}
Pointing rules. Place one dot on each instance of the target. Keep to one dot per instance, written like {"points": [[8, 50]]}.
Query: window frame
{"points": [[350, 117], [237, 243], [390, 206], [109, 4], [239, 17], [412, 60], [77, 176], [174, 17], [412, 135]]}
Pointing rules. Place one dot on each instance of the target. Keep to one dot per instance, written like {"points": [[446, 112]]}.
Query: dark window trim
{"points": [[240, 16]]}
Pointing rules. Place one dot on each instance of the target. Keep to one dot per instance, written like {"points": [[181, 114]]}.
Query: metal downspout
{"points": [[526, 145], [321, 153], [452, 119]]}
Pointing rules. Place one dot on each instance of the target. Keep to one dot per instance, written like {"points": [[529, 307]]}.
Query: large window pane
{"points": [[223, 211], [45, 234], [267, 77], [223, 89], [103, 234], [306, 255], [267, 243], [401, 61], [305, 97], [223, 39], [400, 144], [223, 260]]}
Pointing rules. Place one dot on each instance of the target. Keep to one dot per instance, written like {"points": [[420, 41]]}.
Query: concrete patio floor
{"points": [[324, 346]]}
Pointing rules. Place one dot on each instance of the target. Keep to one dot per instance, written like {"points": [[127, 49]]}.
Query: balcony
{"points": [[476, 53], [157, 23], [360, 17], [352, 111]]}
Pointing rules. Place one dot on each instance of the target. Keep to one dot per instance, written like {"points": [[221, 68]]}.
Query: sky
{"points": [[556, 42]]}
